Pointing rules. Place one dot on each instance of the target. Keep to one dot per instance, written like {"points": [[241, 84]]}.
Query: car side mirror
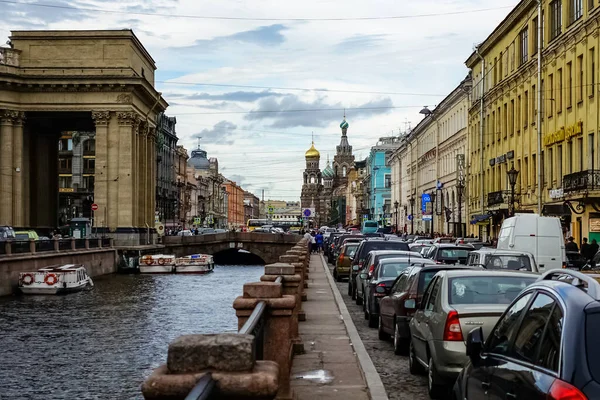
{"points": [[351, 259], [410, 303], [363, 276], [475, 345], [355, 268]]}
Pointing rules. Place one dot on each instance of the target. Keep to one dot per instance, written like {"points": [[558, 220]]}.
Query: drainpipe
{"points": [[540, 173], [482, 161]]}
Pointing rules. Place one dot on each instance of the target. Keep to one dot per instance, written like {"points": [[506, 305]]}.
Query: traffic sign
{"points": [[94, 207], [427, 217], [307, 212], [410, 217]]}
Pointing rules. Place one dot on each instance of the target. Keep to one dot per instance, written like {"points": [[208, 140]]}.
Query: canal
{"points": [[103, 343]]}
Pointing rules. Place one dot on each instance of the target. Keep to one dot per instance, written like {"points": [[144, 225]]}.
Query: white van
{"points": [[541, 236]]}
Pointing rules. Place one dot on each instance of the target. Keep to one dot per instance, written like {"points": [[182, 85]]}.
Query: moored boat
{"points": [[157, 264], [194, 264], [55, 279]]}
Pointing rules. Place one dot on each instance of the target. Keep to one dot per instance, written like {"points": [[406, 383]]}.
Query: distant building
{"points": [[251, 206], [213, 209], [235, 205], [378, 180], [166, 179]]}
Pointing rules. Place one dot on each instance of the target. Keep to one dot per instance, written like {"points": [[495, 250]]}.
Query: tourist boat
{"points": [[56, 279], [194, 264], [157, 264]]}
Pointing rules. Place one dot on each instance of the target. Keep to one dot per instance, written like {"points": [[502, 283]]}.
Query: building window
{"points": [[575, 10], [512, 117], [592, 80], [590, 4], [505, 121], [88, 183], [556, 20], [512, 56], [591, 145], [534, 170], [534, 36], [569, 85], [525, 172], [65, 182], [569, 157], [89, 146], [551, 97], [64, 163], [524, 38], [559, 97], [581, 154], [89, 163], [526, 109], [550, 167], [533, 104], [559, 164], [518, 117], [65, 145], [388, 181], [580, 78]]}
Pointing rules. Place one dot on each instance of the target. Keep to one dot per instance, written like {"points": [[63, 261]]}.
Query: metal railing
{"points": [[583, 180], [64, 244], [206, 389], [20, 246], [44, 245]]}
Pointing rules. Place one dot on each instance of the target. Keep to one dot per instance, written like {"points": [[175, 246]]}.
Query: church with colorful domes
{"points": [[325, 192]]}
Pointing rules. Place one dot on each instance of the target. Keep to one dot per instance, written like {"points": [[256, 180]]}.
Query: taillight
{"points": [[380, 290], [564, 264], [341, 259], [452, 331], [371, 268], [561, 390]]}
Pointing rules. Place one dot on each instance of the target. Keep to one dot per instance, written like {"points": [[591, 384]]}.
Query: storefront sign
{"points": [[66, 190], [594, 224], [501, 159], [556, 193], [510, 155], [564, 134], [492, 162]]}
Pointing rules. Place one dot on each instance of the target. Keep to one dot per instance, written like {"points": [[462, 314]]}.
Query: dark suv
{"points": [[360, 256], [443, 253], [545, 345]]}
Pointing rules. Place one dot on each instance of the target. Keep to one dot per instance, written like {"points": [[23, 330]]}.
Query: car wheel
{"points": [[436, 391], [414, 366], [400, 344], [380, 332], [359, 300], [350, 290], [365, 309], [335, 273]]}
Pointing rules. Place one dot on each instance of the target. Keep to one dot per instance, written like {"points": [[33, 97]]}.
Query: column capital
{"points": [[128, 118], [101, 118], [11, 116]]}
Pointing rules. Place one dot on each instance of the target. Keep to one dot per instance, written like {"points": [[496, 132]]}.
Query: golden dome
{"points": [[312, 152]]}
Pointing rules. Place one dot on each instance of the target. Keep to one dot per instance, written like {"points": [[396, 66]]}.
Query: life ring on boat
{"points": [[148, 261], [161, 261], [51, 279], [27, 281]]}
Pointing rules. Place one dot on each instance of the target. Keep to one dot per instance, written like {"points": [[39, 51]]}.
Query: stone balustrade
{"points": [[243, 366]]}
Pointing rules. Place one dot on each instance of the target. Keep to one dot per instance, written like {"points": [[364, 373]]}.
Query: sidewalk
{"points": [[330, 368]]}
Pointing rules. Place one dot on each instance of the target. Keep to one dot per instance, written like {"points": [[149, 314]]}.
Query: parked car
{"points": [[343, 263], [328, 243], [369, 226], [545, 345], [449, 253], [420, 247], [26, 235], [6, 233], [475, 242], [450, 240], [593, 264], [490, 258], [453, 303], [542, 236], [396, 309], [373, 258], [335, 252], [363, 250], [379, 284], [337, 243], [575, 260]]}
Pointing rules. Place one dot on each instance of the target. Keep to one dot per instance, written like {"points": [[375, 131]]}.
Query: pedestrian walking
{"points": [[313, 242], [594, 248], [319, 241], [585, 249], [571, 245]]}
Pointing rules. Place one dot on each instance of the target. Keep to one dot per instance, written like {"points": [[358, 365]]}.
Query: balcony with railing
{"points": [[581, 181], [495, 198]]}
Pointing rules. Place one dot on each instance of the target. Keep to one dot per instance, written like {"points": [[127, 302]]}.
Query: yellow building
{"points": [[507, 60]]}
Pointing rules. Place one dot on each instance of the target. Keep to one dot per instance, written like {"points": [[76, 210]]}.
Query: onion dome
{"points": [[328, 171], [344, 124], [312, 152]]}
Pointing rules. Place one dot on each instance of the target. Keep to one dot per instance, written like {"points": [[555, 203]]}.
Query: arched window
{"points": [[312, 179], [344, 171]]}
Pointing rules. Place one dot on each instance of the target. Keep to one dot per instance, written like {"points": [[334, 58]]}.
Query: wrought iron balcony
{"points": [[495, 198], [583, 180]]}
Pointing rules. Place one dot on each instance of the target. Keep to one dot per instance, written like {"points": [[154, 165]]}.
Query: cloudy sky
{"points": [[238, 84]]}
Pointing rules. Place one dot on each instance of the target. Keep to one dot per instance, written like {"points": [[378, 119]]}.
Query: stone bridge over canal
{"points": [[269, 247]]}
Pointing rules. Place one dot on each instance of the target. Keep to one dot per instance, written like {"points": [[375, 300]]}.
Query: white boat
{"points": [[194, 264], [56, 279], [157, 264]]}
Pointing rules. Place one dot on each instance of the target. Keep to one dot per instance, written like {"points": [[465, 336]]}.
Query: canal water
{"points": [[103, 343]]}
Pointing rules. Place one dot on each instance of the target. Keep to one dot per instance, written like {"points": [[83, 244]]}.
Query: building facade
{"points": [[557, 175], [312, 187], [111, 97], [235, 205], [166, 179], [378, 180], [251, 206], [213, 209]]}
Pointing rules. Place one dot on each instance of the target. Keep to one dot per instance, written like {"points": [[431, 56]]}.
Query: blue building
{"points": [[378, 180]]}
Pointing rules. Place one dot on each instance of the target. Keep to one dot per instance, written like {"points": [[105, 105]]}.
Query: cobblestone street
{"points": [[393, 369]]}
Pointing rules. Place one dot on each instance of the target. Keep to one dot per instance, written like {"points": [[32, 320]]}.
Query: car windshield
{"points": [[486, 290], [453, 254], [21, 236], [392, 270], [350, 250], [371, 224], [509, 262]]}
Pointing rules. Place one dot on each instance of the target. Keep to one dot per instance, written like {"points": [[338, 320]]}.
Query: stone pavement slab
{"points": [[330, 368]]}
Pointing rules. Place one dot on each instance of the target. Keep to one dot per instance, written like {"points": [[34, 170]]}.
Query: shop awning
{"points": [[556, 210], [480, 219]]}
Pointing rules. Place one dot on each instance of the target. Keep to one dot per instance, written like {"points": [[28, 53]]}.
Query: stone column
{"points": [[17, 171], [126, 191], [6, 167], [101, 119], [151, 183], [278, 326]]}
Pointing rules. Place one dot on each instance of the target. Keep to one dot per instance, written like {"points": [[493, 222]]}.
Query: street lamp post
{"points": [[383, 207], [512, 180], [460, 187], [432, 211], [412, 215], [396, 204]]}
